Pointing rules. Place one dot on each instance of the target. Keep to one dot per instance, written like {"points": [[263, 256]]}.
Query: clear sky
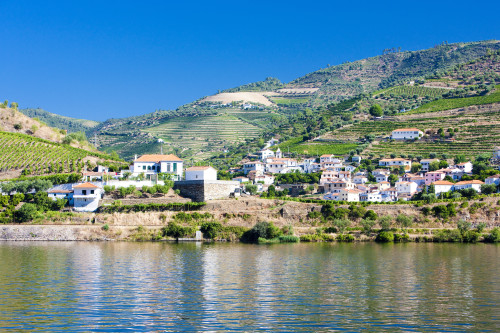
{"points": [[110, 59]]}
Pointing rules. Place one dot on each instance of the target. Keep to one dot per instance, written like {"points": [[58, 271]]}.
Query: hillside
{"points": [[339, 82], [307, 106], [61, 122], [30, 147]]}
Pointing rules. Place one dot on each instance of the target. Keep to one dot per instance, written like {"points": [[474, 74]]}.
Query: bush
{"points": [[345, 238], [210, 230], [289, 238], [385, 222], [471, 236], [401, 237], [385, 236], [494, 235], [105, 227], [313, 214], [26, 213], [448, 236], [367, 225], [371, 215], [265, 230], [176, 231]]}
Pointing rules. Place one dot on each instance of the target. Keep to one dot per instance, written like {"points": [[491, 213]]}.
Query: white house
{"points": [[395, 162], [265, 179], [158, 163], [280, 165], [494, 179], [371, 197], [381, 178], [54, 194], [253, 165], [241, 179], [349, 195], [328, 158], [409, 188], [265, 154], [205, 173], [465, 167], [402, 134], [360, 179], [474, 184], [442, 187], [86, 197], [337, 186]]}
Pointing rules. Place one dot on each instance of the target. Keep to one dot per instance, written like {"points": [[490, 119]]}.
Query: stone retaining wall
{"points": [[202, 191]]}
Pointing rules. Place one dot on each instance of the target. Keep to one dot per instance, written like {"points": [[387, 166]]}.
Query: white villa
{"points": [[86, 197], [395, 162], [205, 173], [442, 187], [474, 184], [402, 134], [253, 165], [151, 164]]}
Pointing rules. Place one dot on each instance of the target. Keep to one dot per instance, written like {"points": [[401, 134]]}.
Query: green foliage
{"points": [[177, 231], [155, 207], [341, 224], [370, 215], [265, 230], [289, 238], [385, 222], [292, 178], [105, 227], [211, 229], [447, 236], [27, 212], [376, 110], [494, 235], [345, 238], [385, 236], [60, 122], [401, 237], [356, 211], [367, 225], [251, 188], [79, 137], [463, 226]]}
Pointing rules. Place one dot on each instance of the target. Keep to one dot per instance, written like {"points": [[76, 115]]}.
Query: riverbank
{"points": [[238, 216]]}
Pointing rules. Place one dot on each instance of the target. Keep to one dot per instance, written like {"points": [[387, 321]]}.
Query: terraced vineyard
{"points": [[37, 156], [412, 90], [211, 133], [477, 130]]}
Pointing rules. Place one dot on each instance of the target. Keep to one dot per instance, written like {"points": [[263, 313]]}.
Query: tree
{"points": [[434, 166], [415, 167], [488, 189], [251, 188], [341, 224], [404, 221], [376, 110], [26, 213], [210, 229], [367, 225]]}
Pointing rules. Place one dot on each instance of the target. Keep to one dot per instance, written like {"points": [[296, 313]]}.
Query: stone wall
{"points": [[202, 191]]}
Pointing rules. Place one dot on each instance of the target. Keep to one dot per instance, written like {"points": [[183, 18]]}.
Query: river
{"points": [[190, 287]]}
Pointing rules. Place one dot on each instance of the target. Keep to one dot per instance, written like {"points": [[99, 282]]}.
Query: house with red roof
{"points": [[86, 197], [205, 173], [152, 164]]}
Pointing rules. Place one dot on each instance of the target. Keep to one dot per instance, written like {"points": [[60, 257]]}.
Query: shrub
{"points": [[494, 235], [345, 238], [176, 231], [463, 226], [404, 221], [314, 214], [385, 236], [371, 215], [367, 225], [26, 213], [385, 222], [210, 230], [341, 224], [105, 227], [289, 238], [448, 236], [471, 236], [265, 230], [401, 237]]}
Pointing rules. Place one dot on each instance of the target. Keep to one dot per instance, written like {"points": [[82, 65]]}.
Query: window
{"points": [[168, 168], [84, 192], [149, 167], [175, 167], [143, 167], [92, 192]]}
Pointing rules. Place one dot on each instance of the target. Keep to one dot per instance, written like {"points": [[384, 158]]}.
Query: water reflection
{"points": [[77, 287]]}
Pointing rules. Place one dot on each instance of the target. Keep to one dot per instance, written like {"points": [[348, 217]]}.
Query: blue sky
{"points": [[110, 59]]}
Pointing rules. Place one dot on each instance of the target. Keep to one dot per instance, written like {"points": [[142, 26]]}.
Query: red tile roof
{"points": [[85, 185], [158, 157]]}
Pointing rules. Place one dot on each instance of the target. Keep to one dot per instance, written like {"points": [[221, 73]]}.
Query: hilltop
{"points": [[62, 122]]}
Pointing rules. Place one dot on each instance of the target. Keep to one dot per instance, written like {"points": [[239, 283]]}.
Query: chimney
{"points": [[135, 157]]}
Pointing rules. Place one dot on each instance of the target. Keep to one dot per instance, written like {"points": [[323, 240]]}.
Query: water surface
{"points": [[123, 286]]}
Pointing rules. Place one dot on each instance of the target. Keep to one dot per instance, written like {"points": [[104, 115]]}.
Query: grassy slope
{"points": [[62, 122]]}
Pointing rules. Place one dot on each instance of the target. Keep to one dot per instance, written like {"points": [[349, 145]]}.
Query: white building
{"points": [[465, 167], [494, 179], [241, 179], [253, 165], [281, 165], [395, 162], [86, 197], [360, 179], [265, 154], [55, 194], [402, 134], [379, 178], [442, 187], [474, 184], [205, 173], [349, 195], [404, 187], [266, 179], [158, 163], [371, 197]]}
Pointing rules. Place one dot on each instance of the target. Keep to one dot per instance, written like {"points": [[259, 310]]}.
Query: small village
{"points": [[341, 179]]}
